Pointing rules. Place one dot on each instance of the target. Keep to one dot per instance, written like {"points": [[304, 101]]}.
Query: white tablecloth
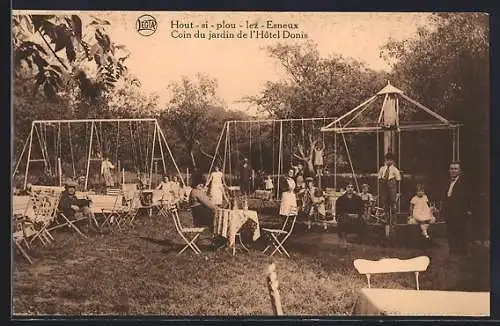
{"points": [[395, 302], [21, 206], [228, 222]]}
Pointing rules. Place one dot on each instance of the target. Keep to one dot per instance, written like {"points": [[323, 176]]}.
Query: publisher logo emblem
{"points": [[146, 25]]}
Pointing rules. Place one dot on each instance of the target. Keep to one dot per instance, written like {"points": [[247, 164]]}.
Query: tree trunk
{"points": [[310, 167]]}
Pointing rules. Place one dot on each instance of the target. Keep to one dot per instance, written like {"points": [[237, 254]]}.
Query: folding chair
{"points": [[70, 223], [392, 265], [279, 236], [131, 203], [24, 230], [113, 214], [186, 233], [238, 235], [165, 202], [45, 210]]}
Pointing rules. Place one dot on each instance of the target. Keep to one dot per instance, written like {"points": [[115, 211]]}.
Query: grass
{"points": [[137, 272]]}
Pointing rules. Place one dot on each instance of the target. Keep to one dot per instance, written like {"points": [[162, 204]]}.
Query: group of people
{"points": [[171, 187], [207, 195]]}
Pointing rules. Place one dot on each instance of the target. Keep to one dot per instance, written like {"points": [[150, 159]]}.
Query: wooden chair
{"points": [[392, 265], [279, 236], [189, 235]]}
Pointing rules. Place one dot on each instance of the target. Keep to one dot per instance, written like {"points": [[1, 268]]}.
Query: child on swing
{"points": [[420, 210], [318, 158], [269, 185]]}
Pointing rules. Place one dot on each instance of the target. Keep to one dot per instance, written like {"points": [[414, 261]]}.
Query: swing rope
{"points": [[291, 143], [250, 148], [230, 153], [140, 156], [133, 147], [71, 150], [117, 142], [350, 161], [237, 144], [43, 146], [274, 151], [261, 162], [43, 133], [99, 138], [303, 133]]}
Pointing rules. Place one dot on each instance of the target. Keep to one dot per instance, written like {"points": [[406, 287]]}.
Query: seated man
{"points": [[349, 211], [74, 208]]}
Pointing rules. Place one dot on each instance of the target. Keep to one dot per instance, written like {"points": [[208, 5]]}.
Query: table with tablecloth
{"points": [[21, 206], [395, 302], [228, 222]]}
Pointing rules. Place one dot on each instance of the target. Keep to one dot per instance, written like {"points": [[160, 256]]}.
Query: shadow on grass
{"points": [[173, 247], [161, 242]]}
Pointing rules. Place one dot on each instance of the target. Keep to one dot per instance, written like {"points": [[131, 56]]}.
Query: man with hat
{"points": [[75, 208]]}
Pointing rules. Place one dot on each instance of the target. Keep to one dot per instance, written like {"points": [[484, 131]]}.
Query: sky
{"points": [[242, 66]]}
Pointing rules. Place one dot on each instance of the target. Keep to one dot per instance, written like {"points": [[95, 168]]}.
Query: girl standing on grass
{"points": [[420, 210]]}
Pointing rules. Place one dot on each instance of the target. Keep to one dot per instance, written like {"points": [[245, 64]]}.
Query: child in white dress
{"points": [[420, 210], [269, 185]]}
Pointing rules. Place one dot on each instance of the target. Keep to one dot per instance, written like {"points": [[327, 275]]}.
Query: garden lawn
{"points": [[137, 272]]}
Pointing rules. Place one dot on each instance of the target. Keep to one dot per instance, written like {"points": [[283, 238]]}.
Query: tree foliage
{"points": [[52, 45], [195, 115], [446, 67]]}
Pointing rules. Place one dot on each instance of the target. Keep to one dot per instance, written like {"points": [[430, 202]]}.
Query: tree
{"points": [[316, 87], [195, 114], [446, 67]]}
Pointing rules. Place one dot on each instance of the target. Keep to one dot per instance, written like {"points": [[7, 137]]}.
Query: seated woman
{"points": [[202, 208]]}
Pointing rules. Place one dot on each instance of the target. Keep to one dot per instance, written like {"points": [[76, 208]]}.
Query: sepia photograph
{"points": [[189, 163]]}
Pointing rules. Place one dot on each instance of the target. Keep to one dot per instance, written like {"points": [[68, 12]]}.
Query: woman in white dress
{"points": [[175, 187], [216, 189], [288, 199], [166, 187]]}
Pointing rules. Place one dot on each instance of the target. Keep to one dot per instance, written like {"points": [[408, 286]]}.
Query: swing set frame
{"points": [[37, 126], [233, 125]]}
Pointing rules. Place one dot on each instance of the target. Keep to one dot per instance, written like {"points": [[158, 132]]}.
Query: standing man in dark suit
{"points": [[456, 211], [245, 176]]}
